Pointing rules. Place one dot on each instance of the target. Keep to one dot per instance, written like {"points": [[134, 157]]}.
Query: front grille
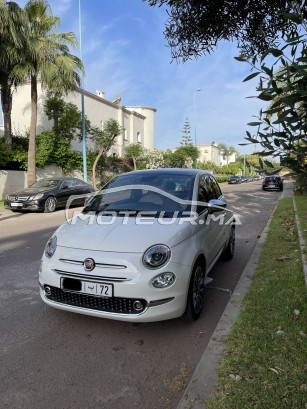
{"points": [[113, 304], [18, 198]]}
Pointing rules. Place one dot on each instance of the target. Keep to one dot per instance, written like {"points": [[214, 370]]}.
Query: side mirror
{"points": [[216, 205]]}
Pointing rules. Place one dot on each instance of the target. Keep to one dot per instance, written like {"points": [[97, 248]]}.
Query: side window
{"points": [[209, 188], [73, 183], [65, 184], [202, 194], [216, 191]]}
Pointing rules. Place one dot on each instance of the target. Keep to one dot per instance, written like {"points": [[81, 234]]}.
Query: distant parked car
{"points": [[273, 182], [234, 179], [49, 194], [244, 179]]}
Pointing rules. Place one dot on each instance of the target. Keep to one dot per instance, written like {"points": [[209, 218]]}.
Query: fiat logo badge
{"points": [[89, 264]]}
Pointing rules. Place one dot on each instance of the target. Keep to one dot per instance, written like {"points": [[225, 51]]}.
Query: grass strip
{"points": [[265, 362]]}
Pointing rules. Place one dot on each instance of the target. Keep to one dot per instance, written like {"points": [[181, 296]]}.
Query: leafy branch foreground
{"points": [[265, 364]]}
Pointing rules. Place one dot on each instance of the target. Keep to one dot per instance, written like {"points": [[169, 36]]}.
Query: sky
{"points": [[125, 54]]}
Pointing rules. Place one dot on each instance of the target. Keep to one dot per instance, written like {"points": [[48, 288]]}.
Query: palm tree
{"points": [[45, 57], [11, 40], [226, 151]]}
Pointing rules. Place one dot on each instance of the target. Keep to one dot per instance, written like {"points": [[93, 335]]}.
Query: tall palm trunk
{"points": [[6, 101], [32, 135]]}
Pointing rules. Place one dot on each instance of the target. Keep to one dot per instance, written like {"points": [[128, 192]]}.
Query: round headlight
{"points": [[51, 247], [156, 256]]}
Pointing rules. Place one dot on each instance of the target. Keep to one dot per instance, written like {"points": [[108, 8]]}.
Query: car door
{"points": [[211, 225], [66, 190]]}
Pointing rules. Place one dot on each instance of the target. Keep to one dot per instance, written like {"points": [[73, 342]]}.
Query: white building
{"points": [[211, 153], [137, 122]]}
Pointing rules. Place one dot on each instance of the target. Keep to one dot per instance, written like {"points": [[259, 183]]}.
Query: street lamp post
{"points": [[82, 105], [196, 90]]}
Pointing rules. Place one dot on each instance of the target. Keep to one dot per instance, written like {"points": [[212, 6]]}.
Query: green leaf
{"points": [[296, 18], [254, 123], [267, 70], [268, 163], [249, 77], [252, 140], [240, 58], [265, 97], [275, 52]]}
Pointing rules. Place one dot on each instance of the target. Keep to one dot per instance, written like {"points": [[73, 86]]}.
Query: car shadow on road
{"points": [[3, 215]]}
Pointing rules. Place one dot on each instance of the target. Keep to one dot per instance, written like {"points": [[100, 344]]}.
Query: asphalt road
{"points": [[56, 360]]}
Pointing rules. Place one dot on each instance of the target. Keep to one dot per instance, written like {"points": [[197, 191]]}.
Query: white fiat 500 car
{"points": [[141, 248]]}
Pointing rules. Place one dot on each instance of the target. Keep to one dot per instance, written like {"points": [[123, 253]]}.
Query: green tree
{"points": [[45, 57], [182, 157], [281, 128], [65, 116], [196, 27], [186, 134], [104, 140], [11, 41], [134, 151]]}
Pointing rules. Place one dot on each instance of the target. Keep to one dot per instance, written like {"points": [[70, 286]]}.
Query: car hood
{"points": [[122, 235], [30, 191]]}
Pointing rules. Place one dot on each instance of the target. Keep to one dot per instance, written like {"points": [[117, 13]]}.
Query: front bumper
{"points": [[33, 205], [134, 298]]}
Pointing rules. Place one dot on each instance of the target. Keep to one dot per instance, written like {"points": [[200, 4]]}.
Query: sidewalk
{"points": [[202, 383]]}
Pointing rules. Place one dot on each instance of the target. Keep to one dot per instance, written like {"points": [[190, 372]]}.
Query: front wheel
{"points": [[229, 251], [196, 293], [50, 204]]}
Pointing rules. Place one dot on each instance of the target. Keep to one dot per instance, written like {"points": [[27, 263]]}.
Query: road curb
{"points": [[203, 382], [301, 242]]}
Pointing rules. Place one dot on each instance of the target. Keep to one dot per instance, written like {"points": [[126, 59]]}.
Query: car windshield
{"points": [[46, 183], [163, 194]]}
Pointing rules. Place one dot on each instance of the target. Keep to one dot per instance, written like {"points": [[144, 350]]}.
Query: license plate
{"points": [[102, 289], [16, 204]]}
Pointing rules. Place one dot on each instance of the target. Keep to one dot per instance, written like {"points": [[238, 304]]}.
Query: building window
{"points": [[125, 134], [138, 137]]}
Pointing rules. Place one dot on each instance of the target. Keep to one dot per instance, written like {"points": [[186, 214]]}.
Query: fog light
{"points": [[164, 280], [137, 305], [47, 290]]}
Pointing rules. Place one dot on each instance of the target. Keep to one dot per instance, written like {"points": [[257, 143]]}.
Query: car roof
{"points": [[170, 171]]}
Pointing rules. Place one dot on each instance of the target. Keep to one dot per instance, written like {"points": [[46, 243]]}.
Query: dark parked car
{"points": [[49, 194], [234, 179], [273, 182]]}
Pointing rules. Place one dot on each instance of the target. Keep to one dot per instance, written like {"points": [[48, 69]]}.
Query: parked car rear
{"points": [[273, 182]]}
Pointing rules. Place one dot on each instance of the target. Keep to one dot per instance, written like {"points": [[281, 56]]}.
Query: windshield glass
{"points": [[46, 183], [169, 194]]}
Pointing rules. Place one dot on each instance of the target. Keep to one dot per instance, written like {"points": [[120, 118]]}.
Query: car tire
{"points": [[50, 204], [196, 293], [229, 251]]}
